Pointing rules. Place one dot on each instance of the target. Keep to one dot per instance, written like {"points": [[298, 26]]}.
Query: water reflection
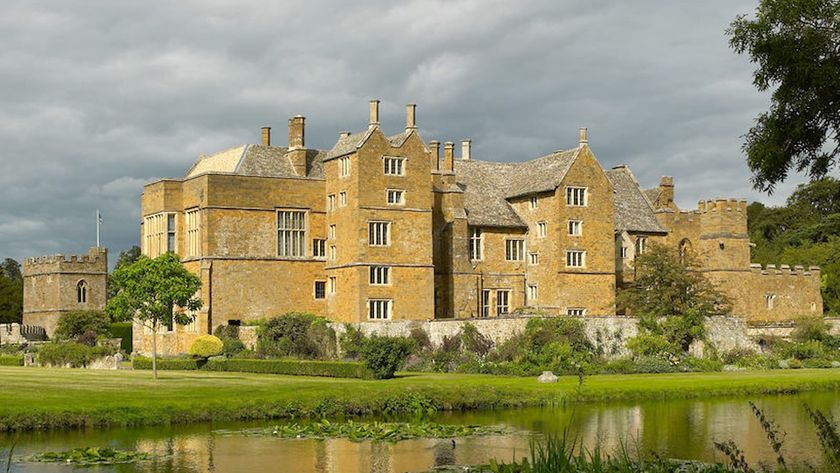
{"points": [[679, 429]]}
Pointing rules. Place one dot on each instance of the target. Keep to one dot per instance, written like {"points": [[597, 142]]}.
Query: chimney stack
{"points": [[266, 136], [297, 149], [666, 190], [344, 134], [465, 149], [583, 139], [296, 132], [449, 156], [435, 145], [410, 117], [374, 113]]}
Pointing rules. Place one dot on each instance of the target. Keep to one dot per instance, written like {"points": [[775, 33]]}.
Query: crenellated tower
{"points": [[53, 285], [723, 243]]}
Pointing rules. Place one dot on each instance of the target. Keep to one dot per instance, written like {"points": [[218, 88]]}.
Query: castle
{"points": [[382, 228]]}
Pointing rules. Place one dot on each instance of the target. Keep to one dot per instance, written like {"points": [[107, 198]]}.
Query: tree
{"points": [[670, 297], [11, 292], [154, 292], [126, 257], [796, 45]]}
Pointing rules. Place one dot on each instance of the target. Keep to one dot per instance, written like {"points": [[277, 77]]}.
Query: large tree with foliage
{"points": [[11, 292], [154, 293], [796, 46], [670, 297], [126, 257]]}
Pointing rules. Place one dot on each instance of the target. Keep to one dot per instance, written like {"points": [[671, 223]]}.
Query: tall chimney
{"points": [[410, 116], [583, 139], [266, 135], [296, 132], [449, 156], [297, 150], [435, 145], [666, 191], [374, 113], [465, 149]]}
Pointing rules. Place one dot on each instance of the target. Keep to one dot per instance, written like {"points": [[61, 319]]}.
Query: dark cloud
{"points": [[100, 97]]}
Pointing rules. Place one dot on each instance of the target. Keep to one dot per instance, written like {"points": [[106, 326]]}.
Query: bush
{"points": [[810, 329], [351, 342], [206, 346], [805, 350], [647, 345], [232, 347], [123, 331], [11, 360], [385, 355], [181, 364], [704, 365], [72, 325], [653, 364], [474, 342], [88, 338], [73, 354], [226, 332], [421, 338], [334, 369], [296, 334]]}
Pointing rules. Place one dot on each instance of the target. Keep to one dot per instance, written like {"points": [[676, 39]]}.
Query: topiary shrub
{"points": [[206, 346], [383, 356], [74, 324]]}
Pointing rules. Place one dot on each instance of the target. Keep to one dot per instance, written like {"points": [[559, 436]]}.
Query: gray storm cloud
{"points": [[99, 97]]}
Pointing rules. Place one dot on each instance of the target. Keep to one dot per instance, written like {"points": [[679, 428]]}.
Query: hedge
{"points": [[185, 364], [11, 360], [333, 369], [122, 330]]}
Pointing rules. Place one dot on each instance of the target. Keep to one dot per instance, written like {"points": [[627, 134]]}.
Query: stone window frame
{"points": [[333, 285], [532, 293], [573, 225], [624, 252], [331, 231], [82, 289], [333, 253], [476, 244], [302, 233], [533, 202], [156, 233], [770, 300], [331, 200], [394, 165], [486, 303], [502, 303], [375, 233], [641, 245], [576, 311], [570, 258], [534, 258], [514, 249], [344, 167], [322, 284], [193, 218], [574, 200], [400, 193], [319, 248], [542, 229], [380, 309], [342, 199], [379, 275]]}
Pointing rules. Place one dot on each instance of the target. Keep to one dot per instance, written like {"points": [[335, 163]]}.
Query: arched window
{"points": [[81, 291], [685, 250]]}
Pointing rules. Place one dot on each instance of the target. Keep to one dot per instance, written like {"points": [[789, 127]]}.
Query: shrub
{"points": [[232, 347], [206, 346], [296, 334], [123, 331], [11, 360], [541, 332], [74, 324], [702, 364], [421, 338], [794, 364], [181, 364], [385, 355], [810, 329], [73, 354], [334, 369], [653, 364], [474, 341], [225, 332], [805, 350], [647, 345], [351, 342]]}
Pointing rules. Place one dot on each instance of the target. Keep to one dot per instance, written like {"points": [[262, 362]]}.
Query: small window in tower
{"points": [[82, 292], [770, 300]]}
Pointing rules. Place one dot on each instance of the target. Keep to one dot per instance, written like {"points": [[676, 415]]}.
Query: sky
{"points": [[99, 97]]}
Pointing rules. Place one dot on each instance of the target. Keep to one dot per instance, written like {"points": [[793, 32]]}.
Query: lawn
{"points": [[44, 398]]}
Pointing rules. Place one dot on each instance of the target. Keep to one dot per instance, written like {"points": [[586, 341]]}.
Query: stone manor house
{"points": [[382, 227]]}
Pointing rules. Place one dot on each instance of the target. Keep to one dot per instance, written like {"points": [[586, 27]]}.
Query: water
{"points": [[677, 429]]}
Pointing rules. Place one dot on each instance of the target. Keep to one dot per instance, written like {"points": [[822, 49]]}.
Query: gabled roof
{"points": [[652, 194], [257, 160], [348, 144], [542, 174], [633, 210]]}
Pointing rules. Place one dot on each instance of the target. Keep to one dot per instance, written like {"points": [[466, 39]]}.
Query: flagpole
{"points": [[98, 220]]}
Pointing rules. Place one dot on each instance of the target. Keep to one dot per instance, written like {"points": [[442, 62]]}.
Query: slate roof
{"points": [[652, 194], [633, 210], [258, 160]]}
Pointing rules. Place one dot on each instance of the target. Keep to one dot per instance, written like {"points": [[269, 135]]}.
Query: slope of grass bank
{"points": [[43, 398]]}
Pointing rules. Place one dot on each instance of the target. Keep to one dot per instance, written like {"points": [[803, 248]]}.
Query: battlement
{"points": [[785, 270], [95, 258], [722, 205]]}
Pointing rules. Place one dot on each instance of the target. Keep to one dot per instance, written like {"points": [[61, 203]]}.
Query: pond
{"points": [[676, 429]]}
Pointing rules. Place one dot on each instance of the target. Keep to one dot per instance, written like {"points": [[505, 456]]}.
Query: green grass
{"points": [[45, 398]]}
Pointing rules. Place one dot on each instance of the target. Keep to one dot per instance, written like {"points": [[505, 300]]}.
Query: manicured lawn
{"points": [[42, 398]]}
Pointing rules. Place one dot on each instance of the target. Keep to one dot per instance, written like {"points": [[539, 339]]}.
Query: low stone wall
{"points": [[784, 330], [16, 334]]}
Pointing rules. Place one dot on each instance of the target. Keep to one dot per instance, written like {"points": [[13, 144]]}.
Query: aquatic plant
{"points": [[91, 456], [360, 431]]}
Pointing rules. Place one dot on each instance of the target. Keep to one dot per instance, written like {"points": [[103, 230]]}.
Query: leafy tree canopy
{"points": [[11, 292], [796, 47]]}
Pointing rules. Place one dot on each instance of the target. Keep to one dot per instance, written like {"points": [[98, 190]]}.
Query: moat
{"points": [[676, 429]]}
